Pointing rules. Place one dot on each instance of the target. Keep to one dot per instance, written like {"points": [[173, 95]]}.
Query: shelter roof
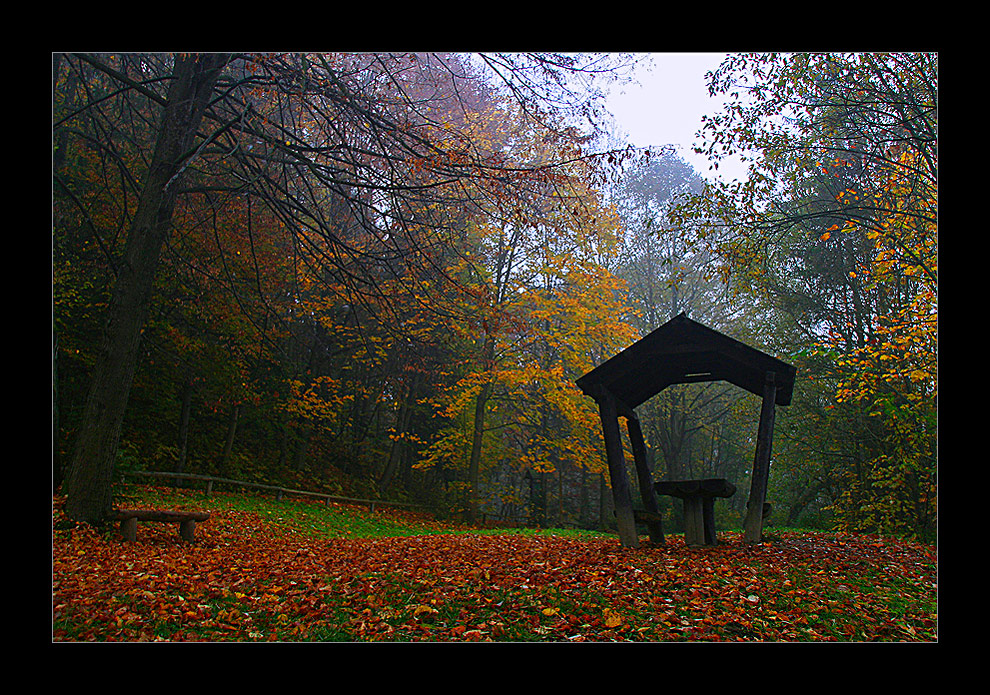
{"points": [[684, 351]]}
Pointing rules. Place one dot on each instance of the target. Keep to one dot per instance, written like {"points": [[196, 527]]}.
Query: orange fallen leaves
{"points": [[247, 580]]}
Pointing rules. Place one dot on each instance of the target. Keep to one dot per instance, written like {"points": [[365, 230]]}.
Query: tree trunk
{"points": [[302, 447], [88, 486], [478, 431], [228, 444], [56, 456], [474, 465], [602, 503], [584, 501], [184, 413], [401, 429], [808, 496], [672, 435]]}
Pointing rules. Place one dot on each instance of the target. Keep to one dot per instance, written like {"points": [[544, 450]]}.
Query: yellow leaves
{"points": [[611, 618], [321, 399], [847, 226], [403, 437], [422, 610], [847, 195]]}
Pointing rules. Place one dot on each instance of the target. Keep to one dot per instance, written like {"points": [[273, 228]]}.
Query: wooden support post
{"points": [[187, 529], [128, 529], [694, 520], [617, 469], [708, 514], [761, 463], [186, 520], [645, 477]]}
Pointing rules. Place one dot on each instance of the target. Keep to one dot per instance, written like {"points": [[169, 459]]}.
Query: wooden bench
{"points": [[699, 498], [641, 516], [128, 519]]}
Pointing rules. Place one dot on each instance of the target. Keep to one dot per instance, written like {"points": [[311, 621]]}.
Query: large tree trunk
{"points": [[88, 485], [673, 435]]}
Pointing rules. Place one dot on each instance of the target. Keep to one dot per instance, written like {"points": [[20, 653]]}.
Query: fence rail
{"points": [[279, 491]]}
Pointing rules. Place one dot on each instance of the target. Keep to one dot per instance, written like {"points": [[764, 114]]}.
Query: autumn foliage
{"points": [[300, 571], [355, 286], [379, 275], [836, 231]]}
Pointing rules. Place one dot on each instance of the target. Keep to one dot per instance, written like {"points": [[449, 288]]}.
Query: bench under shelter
{"points": [[681, 351]]}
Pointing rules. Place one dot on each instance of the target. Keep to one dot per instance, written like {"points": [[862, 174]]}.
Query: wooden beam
{"points": [[617, 469], [708, 515], [761, 463], [694, 520], [645, 477]]}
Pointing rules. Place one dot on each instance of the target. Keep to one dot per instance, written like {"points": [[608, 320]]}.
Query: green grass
{"points": [[310, 517]]}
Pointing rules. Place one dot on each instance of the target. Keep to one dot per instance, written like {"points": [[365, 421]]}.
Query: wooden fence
{"points": [[279, 491], [489, 520]]}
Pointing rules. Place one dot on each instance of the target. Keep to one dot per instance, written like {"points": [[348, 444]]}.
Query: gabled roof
{"points": [[684, 351]]}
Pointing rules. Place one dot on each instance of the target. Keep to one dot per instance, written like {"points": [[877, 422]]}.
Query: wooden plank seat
{"points": [[641, 516], [128, 519], [699, 505]]}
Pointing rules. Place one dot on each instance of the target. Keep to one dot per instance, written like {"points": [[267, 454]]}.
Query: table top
{"points": [[706, 487]]}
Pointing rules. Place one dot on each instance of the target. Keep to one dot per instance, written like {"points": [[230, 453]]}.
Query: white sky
{"points": [[667, 106]]}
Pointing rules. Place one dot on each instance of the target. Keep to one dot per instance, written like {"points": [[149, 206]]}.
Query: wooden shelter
{"points": [[681, 351]]}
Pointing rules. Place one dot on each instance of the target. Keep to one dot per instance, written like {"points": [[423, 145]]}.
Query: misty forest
{"points": [[379, 276]]}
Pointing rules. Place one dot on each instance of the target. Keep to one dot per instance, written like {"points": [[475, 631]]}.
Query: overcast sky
{"points": [[667, 106]]}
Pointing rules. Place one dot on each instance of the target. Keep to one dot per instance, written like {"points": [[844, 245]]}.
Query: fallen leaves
{"points": [[611, 618], [246, 579]]}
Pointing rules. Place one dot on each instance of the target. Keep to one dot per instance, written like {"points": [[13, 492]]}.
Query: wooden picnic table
{"points": [[699, 505]]}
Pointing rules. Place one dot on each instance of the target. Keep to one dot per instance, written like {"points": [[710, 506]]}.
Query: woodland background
{"points": [[383, 272]]}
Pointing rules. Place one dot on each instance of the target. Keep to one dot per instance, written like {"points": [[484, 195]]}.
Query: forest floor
{"points": [[301, 571]]}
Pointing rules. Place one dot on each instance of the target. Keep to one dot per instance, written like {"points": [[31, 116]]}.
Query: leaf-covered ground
{"points": [[252, 575]]}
